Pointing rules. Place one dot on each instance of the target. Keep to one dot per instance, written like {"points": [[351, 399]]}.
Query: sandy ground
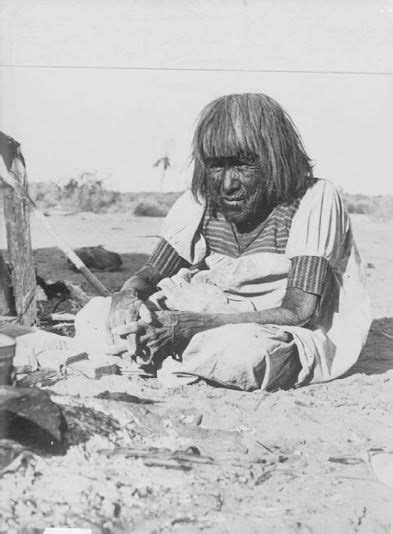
{"points": [[287, 462]]}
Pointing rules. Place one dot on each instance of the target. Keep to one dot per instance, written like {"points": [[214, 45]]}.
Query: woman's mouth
{"points": [[232, 200]]}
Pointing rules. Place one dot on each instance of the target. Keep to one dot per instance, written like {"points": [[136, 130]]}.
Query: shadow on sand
{"points": [[51, 264], [377, 356]]}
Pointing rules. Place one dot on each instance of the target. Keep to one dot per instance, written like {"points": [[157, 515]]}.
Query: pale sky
{"points": [[119, 122]]}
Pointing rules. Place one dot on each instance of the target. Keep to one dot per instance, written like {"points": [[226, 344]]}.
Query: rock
{"points": [[98, 259], [106, 365], [29, 417]]}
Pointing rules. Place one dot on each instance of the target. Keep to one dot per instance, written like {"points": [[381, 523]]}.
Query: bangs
{"points": [[226, 130], [252, 125]]}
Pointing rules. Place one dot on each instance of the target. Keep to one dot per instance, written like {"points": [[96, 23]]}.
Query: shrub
{"points": [[385, 209], [379, 207], [150, 209], [87, 193], [84, 193], [360, 206]]}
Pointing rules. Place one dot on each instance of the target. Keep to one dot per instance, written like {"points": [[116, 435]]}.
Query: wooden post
{"points": [[7, 305], [17, 222]]}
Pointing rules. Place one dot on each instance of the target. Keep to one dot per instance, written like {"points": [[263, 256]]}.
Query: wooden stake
{"points": [[7, 305], [17, 222], [12, 168]]}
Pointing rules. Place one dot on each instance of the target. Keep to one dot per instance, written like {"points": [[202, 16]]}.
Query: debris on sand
{"points": [[60, 290], [12, 456], [162, 457], [124, 397], [53, 289]]}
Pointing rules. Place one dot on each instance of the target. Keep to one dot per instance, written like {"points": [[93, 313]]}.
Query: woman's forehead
{"points": [[244, 157]]}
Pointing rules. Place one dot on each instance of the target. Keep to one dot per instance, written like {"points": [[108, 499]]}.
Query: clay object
{"points": [[98, 259]]}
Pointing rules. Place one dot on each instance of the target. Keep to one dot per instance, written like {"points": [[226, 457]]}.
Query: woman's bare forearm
{"points": [[297, 309], [278, 316]]}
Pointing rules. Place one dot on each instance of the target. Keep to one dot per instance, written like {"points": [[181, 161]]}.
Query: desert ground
{"points": [[294, 461]]}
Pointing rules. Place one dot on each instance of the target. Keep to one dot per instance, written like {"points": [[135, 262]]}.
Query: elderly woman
{"points": [[256, 281]]}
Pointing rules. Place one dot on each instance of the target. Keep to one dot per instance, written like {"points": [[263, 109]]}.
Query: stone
{"points": [[98, 259], [30, 417], [106, 365]]}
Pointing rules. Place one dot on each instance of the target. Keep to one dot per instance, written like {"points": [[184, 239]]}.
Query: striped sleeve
{"points": [[309, 273], [166, 260]]}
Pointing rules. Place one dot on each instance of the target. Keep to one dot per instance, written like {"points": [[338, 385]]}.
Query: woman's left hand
{"points": [[170, 331]]}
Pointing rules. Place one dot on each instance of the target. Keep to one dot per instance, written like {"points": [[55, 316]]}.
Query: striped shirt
{"points": [[308, 273]]}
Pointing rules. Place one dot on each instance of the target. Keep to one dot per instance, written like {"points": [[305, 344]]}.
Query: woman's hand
{"points": [[126, 308], [168, 332]]}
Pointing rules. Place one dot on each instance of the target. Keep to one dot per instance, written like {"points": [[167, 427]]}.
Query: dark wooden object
{"points": [[17, 222], [17, 206], [7, 305]]}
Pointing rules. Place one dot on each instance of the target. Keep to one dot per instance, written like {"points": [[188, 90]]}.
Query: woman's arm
{"points": [[175, 329], [297, 309], [144, 282], [126, 303]]}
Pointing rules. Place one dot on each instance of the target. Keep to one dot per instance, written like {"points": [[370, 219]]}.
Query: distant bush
{"points": [[88, 193], [150, 209], [379, 207], [360, 206], [384, 211], [84, 193]]}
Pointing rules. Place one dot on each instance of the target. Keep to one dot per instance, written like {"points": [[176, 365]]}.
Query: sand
{"points": [[286, 462]]}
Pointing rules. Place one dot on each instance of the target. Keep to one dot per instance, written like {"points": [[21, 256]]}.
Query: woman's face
{"points": [[235, 186]]}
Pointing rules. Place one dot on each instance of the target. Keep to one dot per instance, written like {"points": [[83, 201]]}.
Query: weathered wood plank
{"points": [[7, 305], [17, 222]]}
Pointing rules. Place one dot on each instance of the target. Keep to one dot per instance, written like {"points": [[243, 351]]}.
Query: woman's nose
{"points": [[230, 182]]}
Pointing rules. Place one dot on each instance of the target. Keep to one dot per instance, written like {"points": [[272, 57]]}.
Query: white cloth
{"points": [[320, 227], [241, 356]]}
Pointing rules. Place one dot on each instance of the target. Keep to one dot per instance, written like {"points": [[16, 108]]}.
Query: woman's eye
{"points": [[214, 168]]}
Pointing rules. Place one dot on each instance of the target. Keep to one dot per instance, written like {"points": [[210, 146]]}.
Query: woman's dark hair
{"points": [[252, 124]]}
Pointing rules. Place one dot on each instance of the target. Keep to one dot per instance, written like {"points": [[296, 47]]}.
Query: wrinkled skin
{"points": [[126, 307], [236, 188], [169, 331]]}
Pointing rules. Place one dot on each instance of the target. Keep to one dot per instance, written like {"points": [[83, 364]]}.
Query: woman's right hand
{"points": [[126, 308]]}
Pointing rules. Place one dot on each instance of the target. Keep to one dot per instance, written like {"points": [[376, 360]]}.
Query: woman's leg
{"points": [[246, 356]]}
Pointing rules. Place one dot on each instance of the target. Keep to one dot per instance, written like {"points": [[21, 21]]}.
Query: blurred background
{"points": [[112, 89]]}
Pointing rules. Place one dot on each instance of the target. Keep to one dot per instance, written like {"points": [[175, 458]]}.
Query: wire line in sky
{"points": [[207, 69]]}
